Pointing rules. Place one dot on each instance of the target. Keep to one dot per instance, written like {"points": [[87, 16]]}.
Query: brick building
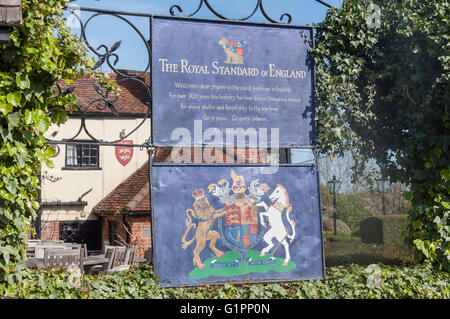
{"points": [[84, 175], [92, 195]]}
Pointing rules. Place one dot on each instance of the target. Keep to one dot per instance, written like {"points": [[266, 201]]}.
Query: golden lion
{"points": [[206, 215]]}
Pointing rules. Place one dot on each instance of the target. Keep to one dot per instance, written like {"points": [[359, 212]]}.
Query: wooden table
{"points": [[140, 260], [33, 262]]}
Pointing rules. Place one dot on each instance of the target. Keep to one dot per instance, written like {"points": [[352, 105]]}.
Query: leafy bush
{"points": [[141, 282], [350, 208], [387, 229], [371, 230], [394, 228], [40, 53], [383, 92]]}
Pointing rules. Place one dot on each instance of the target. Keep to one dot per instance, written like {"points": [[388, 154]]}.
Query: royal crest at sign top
{"points": [[234, 224], [222, 75]]}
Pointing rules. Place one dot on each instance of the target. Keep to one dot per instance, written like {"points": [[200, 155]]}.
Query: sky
{"points": [[106, 29]]}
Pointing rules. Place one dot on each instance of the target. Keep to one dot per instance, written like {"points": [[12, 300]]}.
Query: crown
{"points": [[198, 193]]}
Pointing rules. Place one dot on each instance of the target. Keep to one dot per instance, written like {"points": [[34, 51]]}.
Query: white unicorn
{"points": [[280, 201]]}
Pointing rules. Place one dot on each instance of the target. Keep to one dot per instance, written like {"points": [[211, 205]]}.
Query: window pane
{"points": [[85, 161], [90, 155], [73, 158], [82, 155], [86, 150]]}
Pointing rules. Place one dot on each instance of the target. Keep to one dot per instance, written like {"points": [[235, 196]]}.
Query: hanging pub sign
{"points": [[210, 78], [124, 153], [216, 224]]}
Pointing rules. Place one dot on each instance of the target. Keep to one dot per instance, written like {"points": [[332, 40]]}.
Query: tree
{"points": [[383, 92], [342, 168], [40, 53]]}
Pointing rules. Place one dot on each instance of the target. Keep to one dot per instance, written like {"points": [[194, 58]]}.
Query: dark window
{"points": [[82, 156], [113, 228], [86, 232], [284, 155]]}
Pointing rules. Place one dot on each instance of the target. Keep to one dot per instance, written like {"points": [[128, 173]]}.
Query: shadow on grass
{"points": [[346, 253]]}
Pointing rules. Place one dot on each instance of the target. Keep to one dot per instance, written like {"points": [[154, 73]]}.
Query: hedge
{"points": [[341, 282], [387, 229]]}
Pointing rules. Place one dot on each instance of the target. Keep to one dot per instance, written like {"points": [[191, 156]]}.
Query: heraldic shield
{"points": [[239, 228]]}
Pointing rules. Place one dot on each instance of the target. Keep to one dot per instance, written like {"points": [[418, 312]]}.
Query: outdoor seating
{"points": [[77, 246], [61, 255], [130, 256], [64, 258], [106, 247], [120, 259], [42, 246], [109, 254], [31, 246]]}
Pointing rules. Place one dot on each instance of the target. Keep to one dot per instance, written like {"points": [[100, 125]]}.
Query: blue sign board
{"points": [[220, 76], [216, 224]]}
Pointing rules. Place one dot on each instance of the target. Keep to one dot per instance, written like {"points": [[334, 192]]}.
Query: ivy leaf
{"points": [[35, 204], [43, 124], [28, 116], [13, 120], [23, 82], [14, 98], [7, 249], [11, 186], [5, 108]]}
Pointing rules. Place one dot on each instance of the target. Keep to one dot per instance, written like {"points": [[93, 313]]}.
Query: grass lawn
{"points": [[344, 249]]}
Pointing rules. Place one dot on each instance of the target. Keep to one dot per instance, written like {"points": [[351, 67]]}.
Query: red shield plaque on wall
{"points": [[124, 154]]}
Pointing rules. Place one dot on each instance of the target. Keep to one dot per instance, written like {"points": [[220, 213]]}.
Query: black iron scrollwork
{"points": [[259, 5], [176, 9], [107, 55]]}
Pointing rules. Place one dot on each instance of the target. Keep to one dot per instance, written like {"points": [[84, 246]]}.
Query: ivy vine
{"points": [[40, 53], [383, 92]]}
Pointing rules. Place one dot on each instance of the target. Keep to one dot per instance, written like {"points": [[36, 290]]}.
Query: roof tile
{"points": [[133, 194], [133, 97]]}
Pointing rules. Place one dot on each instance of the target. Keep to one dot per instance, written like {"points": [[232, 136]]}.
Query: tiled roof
{"points": [[132, 100], [133, 195]]}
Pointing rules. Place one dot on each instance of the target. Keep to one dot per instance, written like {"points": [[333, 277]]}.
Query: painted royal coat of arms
{"points": [[243, 222]]}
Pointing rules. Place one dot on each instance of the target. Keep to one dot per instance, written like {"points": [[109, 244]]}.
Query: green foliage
{"points": [[341, 282], [394, 228], [40, 53], [350, 208], [387, 229], [340, 237], [383, 92]]}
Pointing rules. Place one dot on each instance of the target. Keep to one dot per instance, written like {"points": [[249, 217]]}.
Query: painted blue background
{"points": [[172, 186], [196, 41]]}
